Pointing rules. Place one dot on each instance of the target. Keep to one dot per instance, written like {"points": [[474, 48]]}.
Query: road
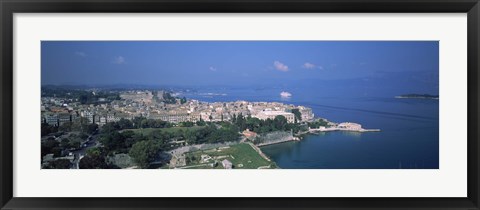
{"points": [[80, 153]]}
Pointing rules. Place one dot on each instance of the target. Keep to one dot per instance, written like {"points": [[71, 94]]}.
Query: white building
{"points": [[306, 113], [350, 126], [227, 164], [272, 114]]}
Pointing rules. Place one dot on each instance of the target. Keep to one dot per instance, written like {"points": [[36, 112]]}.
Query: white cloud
{"points": [[81, 54], [308, 65], [280, 66], [211, 68], [119, 60]]}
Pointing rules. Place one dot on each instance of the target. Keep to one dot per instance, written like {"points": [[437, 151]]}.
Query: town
{"points": [[96, 128]]}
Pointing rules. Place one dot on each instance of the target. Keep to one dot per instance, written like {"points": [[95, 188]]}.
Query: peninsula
{"points": [[97, 128], [419, 96]]}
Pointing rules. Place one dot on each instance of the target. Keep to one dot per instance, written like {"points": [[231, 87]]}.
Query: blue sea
{"points": [[409, 137]]}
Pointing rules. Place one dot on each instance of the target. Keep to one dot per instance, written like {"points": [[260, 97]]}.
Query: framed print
{"points": [[239, 105]]}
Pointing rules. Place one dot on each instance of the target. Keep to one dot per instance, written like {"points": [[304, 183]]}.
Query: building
{"points": [[63, 118], [111, 117], [272, 114], [51, 119], [89, 115], [306, 113], [205, 158], [102, 120], [173, 117], [249, 134], [350, 126], [227, 164], [194, 117]]}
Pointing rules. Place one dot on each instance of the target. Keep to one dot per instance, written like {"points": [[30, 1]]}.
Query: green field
{"points": [[147, 131], [239, 154]]}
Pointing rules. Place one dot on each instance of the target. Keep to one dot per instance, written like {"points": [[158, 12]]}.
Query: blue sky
{"points": [[239, 62]]}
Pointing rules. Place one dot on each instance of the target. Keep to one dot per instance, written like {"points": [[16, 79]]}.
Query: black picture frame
{"points": [[9, 7]]}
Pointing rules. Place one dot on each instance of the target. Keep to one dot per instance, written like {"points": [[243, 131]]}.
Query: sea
{"points": [[409, 136]]}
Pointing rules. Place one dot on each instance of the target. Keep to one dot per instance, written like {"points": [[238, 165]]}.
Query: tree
{"points": [[114, 142], [168, 98], [279, 122], [110, 127], [47, 129], [186, 124], [179, 133], [66, 127], [57, 151], [125, 124], [241, 122], [48, 145], [144, 123], [58, 164], [161, 124], [318, 123], [253, 124], [80, 124], [201, 122], [91, 128], [83, 98], [70, 143], [93, 162], [156, 134], [298, 115], [190, 137], [95, 151], [137, 121], [144, 152], [222, 135], [183, 100], [83, 136], [95, 159]]}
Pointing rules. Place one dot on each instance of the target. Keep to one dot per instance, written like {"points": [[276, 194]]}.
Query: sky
{"points": [[189, 63]]}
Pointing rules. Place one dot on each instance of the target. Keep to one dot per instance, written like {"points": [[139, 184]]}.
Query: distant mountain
{"points": [[107, 87], [421, 96]]}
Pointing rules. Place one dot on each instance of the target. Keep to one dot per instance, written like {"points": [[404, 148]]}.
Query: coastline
{"points": [[417, 97]]}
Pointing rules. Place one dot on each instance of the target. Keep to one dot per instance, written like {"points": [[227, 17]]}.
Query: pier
{"points": [[345, 126], [278, 142], [313, 130]]}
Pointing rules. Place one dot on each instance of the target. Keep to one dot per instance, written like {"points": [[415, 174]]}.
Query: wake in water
{"points": [[370, 111]]}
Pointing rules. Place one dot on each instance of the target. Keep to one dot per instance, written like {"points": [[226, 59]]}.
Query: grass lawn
{"points": [[146, 131], [239, 154]]}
